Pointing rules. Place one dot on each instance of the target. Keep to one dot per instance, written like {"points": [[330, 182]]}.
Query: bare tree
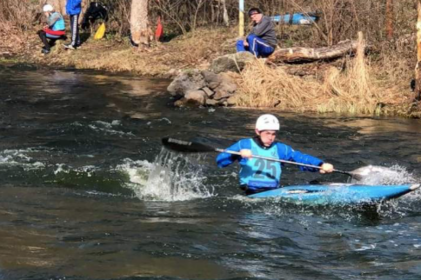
{"points": [[389, 19], [225, 11], [196, 8], [139, 23]]}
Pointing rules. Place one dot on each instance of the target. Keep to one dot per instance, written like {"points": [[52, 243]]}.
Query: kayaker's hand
{"points": [[246, 44], [326, 168], [245, 153]]}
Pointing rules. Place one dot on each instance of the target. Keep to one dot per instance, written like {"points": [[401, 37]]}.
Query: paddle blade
{"points": [[100, 32], [186, 146]]}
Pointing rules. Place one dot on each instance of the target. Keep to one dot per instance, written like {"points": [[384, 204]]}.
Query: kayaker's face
{"points": [[267, 136]]}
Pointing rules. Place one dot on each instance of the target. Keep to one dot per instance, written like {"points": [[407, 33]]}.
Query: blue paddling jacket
{"points": [[258, 174], [73, 7]]}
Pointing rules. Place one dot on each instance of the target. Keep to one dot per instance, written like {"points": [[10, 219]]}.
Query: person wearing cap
{"points": [[54, 30], [258, 175], [73, 9], [261, 41]]}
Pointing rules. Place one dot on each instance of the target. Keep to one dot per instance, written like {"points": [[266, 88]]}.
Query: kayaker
{"points": [[54, 30], [261, 41], [257, 175]]}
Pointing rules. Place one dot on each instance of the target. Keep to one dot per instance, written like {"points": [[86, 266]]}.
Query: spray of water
{"points": [[171, 177], [378, 175]]}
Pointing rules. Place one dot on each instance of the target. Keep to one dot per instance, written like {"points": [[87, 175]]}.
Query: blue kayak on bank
{"points": [[337, 194], [296, 19]]}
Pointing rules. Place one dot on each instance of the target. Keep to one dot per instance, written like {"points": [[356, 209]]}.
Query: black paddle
{"points": [[194, 147]]}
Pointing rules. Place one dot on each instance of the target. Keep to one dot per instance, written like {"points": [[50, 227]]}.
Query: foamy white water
{"points": [[171, 177], [379, 175]]}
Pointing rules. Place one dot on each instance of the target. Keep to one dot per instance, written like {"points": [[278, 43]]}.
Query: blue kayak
{"points": [[296, 19], [337, 194]]}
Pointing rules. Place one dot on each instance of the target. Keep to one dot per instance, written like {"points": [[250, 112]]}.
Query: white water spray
{"points": [[171, 177], [378, 175]]}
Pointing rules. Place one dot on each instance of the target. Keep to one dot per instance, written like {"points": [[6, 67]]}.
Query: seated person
{"points": [[54, 30], [261, 41]]}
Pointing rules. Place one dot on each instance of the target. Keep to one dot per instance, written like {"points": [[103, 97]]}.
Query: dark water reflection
{"points": [[84, 193]]}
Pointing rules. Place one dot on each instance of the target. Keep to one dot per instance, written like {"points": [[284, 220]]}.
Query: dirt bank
{"points": [[194, 50]]}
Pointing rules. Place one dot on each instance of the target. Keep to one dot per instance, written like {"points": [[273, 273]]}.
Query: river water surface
{"points": [[88, 192]]}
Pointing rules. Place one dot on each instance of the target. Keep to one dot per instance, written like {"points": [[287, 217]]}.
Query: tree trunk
{"points": [[418, 65], [389, 19], [298, 54], [226, 18], [139, 23], [214, 11]]}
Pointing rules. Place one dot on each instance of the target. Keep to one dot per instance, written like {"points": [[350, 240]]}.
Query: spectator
{"points": [[73, 9], [262, 39], [54, 30]]}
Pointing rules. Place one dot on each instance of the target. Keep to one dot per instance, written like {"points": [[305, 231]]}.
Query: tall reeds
{"points": [[352, 90], [262, 86]]}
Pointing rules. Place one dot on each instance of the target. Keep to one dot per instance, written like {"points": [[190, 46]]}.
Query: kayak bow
{"points": [[337, 194]]}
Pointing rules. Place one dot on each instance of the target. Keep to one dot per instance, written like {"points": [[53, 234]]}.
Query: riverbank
{"points": [[194, 50], [377, 85]]}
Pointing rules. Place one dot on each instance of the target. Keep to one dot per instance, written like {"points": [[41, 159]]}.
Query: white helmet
{"points": [[267, 122], [47, 8]]}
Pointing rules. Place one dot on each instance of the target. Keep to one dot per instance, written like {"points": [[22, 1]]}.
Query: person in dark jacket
{"points": [[95, 11], [261, 41], [258, 175], [73, 9], [54, 30]]}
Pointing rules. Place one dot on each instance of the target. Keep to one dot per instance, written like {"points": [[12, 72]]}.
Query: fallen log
{"points": [[299, 54]]}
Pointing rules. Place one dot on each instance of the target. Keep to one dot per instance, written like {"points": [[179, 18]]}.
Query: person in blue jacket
{"points": [[257, 175], [261, 41], [73, 9], [54, 30]]}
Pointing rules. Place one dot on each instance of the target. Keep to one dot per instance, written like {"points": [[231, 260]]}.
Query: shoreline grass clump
{"points": [[352, 90], [355, 90], [261, 86]]}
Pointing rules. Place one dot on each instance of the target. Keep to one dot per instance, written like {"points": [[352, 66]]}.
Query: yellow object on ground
{"points": [[99, 34]]}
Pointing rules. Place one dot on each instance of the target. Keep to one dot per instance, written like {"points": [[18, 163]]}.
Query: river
{"points": [[88, 192]]}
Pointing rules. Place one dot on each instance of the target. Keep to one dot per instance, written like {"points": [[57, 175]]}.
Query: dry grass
{"points": [[262, 86], [356, 90], [359, 89], [351, 92], [16, 17], [194, 50]]}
